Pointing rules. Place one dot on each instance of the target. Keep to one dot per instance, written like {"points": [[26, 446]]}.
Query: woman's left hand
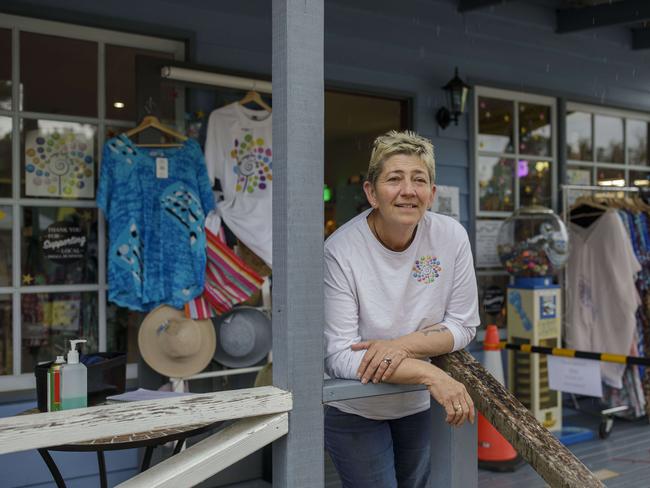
{"points": [[380, 361]]}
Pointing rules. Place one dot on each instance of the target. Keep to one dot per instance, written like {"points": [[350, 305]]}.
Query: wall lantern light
{"points": [[457, 91]]}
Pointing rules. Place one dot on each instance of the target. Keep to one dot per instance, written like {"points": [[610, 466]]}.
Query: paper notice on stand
{"points": [[447, 201], [575, 375]]}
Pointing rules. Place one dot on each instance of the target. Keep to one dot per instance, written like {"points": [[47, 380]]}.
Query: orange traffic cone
{"points": [[494, 452]]}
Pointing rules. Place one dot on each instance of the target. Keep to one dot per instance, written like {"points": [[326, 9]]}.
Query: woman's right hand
{"points": [[453, 397]]}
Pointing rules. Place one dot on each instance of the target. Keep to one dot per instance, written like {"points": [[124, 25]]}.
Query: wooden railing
{"points": [[262, 415]]}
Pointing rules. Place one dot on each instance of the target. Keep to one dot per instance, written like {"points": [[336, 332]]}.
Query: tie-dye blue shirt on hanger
{"points": [[156, 249]]}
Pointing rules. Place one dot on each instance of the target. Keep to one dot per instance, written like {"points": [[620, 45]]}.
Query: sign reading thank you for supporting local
{"points": [[63, 242]]}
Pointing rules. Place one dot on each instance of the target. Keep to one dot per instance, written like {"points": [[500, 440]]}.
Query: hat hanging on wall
{"points": [[174, 345], [244, 337]]}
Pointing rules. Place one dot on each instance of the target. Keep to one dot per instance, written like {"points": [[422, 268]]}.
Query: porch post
{"points": [[298, 236]]}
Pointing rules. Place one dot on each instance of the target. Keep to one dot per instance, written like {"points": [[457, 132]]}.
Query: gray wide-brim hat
{"points": [[243, 337]]}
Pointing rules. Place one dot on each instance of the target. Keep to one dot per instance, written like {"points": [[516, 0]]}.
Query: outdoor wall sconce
{"points": [[456, 91]]}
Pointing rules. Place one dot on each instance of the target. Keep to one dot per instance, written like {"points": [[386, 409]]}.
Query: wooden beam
{"points": [[24, 432], [298, 209], [603, 15], [212, 455], [641, 40], [469, 5], [543, 451]]}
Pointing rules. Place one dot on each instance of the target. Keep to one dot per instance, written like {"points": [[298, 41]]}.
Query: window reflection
{"points": [[496, 183], [610, 177], [50, 320], [640, 178], [5, 157], [578, 176], [609, 139], [6, 223], [578, 136], [58, 75], [58, 245], [534, 129], [636, 137], [534, 182], [5, 69], [495, 120], [6, 336], [58, 159]]}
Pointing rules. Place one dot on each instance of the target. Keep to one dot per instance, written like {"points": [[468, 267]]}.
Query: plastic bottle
{"points": [[54, 385], [74, 382]]}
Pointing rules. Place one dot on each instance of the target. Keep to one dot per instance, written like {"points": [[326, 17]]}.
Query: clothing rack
{"points": [[209, 78], [569, 194]]}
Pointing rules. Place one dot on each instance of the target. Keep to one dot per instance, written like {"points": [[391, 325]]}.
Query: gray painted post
{"points": [[298, 99], [454, 452]]}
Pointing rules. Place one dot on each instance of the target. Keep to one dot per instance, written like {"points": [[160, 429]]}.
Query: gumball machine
{"points": [[533, 247]]}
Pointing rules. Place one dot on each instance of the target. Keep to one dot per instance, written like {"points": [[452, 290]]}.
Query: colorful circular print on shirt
{"points": [[426, 269], [254, 161]]}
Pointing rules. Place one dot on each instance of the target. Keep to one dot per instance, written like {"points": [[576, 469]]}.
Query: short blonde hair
{"points": [[396, 142]]}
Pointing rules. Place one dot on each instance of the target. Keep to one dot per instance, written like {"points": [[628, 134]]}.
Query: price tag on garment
{"points": [[162, 168], [575, 375]]}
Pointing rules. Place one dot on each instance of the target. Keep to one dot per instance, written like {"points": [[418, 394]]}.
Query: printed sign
{"points": [[493, 299], [447, 201], [575, 375], [487, 232], [547, 307], [63, 242]]}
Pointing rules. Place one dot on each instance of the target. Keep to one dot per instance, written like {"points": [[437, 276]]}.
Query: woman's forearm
{"points": [[433, 340], [415, 372]]}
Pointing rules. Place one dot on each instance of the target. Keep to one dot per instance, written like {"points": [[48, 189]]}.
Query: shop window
{"points": [[534, 182], [577, 175], [6, 223], [496, 183], [5, 156], [496, 122], [122, 331], [636, 138], [578, 136], [58, 75], [121, 80], [609, 139], [610, 177], [58, 246], [535, 129], [6, 336], [352, 122], [50, 320], [58, 159], [5, 69]]}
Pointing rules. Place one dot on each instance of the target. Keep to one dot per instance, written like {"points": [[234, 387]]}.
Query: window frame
{"points": [[25, 380], [594, 165]]}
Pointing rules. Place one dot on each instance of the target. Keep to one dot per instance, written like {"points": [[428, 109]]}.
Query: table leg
{"points": [[179, 445], [103, 482], [146, 460], [56, 474]]}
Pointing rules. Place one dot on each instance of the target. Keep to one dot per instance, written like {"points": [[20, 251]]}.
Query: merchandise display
{"points": [[155, 201], [238, 152], [533, 242]]}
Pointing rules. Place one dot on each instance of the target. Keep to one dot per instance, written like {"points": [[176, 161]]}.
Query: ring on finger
{"points": [[458, 407], [387, 361]]}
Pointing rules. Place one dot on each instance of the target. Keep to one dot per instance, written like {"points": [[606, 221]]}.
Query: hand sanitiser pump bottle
{"points": [[74, 380]]}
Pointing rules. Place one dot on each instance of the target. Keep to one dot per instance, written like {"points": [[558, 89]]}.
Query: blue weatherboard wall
{"points": [[409, 47]]}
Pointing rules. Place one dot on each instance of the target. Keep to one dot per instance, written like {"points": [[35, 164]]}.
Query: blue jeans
{"points": [[379, 453]]}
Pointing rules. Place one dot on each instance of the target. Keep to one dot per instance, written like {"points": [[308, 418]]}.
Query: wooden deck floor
{"points": [[622, 460]]}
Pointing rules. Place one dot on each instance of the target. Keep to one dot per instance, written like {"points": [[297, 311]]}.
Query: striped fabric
{"points": [[228, 281]]}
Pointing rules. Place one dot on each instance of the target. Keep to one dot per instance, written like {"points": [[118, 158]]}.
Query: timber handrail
{"points": [[43, 430], [541, 449]]}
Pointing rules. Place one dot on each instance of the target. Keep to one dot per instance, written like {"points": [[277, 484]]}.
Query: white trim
{"points": [[75, 31], [612, 112], [485, 91], [214, 79]]}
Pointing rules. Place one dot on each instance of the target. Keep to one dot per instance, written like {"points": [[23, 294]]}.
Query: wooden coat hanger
{"points": [[253, 96], [152, 122]]}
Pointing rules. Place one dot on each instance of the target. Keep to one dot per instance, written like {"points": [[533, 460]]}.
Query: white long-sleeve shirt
{"points": [[374, 293]]}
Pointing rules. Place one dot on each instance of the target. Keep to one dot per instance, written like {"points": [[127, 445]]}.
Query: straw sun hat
{"points": [[174, 345]]}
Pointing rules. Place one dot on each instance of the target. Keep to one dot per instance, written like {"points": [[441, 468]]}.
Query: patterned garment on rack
{"points": [[228, 281]]}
